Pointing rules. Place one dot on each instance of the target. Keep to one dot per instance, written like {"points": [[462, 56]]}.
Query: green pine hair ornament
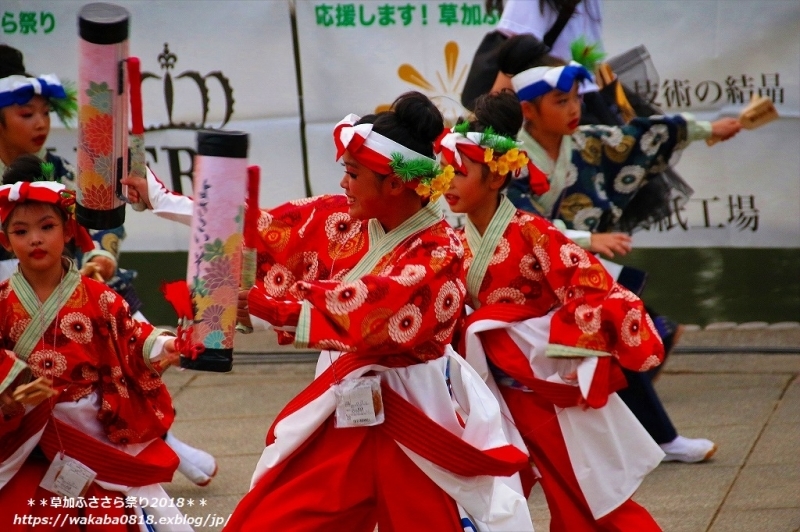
{"points": [[588, 55], [66, 108], [48, 172], [432, 180]]}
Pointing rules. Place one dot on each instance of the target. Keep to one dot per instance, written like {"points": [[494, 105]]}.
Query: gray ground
{"points": [[736, 385]]}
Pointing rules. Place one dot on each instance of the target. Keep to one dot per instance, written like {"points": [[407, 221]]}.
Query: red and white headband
{"points": [[368, 147], [49, 192], [452, 144]]}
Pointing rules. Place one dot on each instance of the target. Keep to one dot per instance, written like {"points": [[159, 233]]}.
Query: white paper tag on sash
{"points": [[67, 476], [358, 402]]}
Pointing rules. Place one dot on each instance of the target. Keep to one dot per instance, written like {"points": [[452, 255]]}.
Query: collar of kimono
{"points": [[42, 314], [473, 145], [382, 243], [483, 246], [556, 172], [538, 81], [368, 147], [49, 192]]}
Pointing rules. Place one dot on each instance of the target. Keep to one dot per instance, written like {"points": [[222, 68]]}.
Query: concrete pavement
{"points": [[738, 386]]}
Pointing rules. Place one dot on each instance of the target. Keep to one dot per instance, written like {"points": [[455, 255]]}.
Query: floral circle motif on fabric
{"points": [[568, 293], [653, 139], [18, 328], [587, 318], [506, 295], [620, 292], [77, 327], [410, 275], [571, 177], [346, 298], [106, 299], [97, 197], [592, 151], [306, 262], [303, 201], [119, 382], [573, 256], [612, 136], [631, 328], [620, 152], [448, 301], [500, 252], [650, 362], [445, 335], [47, 363], [573, 204], [628, 179], [278, 280], [264, 221], [405, 325], [587, 219], [340, 227]]}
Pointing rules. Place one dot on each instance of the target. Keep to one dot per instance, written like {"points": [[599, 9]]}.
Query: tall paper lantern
{"points": [[215, 250], [102, 115]]}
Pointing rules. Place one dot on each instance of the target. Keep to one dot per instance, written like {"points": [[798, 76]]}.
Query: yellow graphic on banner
{"points": [[447, 95]]}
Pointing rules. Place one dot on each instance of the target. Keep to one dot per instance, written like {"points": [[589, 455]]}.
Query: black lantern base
{"points": [[97, 219], [216, 360]]}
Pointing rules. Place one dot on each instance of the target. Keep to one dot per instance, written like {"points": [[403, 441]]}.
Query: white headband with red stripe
{"points": [[489, 148], [23, 191], [368, 147], [49, 192], [452, 143]]}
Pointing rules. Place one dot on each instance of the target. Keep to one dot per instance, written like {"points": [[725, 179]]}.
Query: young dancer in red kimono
{"points": [[550, 332], [80, 380], [374, 278]]}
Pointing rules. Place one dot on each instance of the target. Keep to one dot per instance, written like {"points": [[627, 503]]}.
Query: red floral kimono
{"points": [[110, 414], [555, 328], [381, 304]]}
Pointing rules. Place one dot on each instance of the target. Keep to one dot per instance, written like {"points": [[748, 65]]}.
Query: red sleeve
{"points": [[596, 314], [136, 405], [12, 370]]}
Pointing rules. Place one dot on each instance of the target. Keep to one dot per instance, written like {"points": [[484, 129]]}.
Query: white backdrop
{"points": [[358, 56]]}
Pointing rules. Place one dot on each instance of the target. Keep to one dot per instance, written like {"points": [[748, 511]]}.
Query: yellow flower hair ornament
{"points": [[425, 176], [499, 152]]}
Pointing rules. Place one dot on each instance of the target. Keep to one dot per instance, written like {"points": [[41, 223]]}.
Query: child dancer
{"points": [[102, 263], [376, 276], [594, 172], [555, 329], [25, 106], [98, 408]]}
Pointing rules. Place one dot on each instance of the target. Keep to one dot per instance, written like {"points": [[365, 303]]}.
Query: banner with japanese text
{"points": [[711, 56], [232, 65]]}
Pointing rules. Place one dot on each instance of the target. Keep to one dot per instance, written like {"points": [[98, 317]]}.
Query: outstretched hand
{"points": [[242, 310], [172, 357], [137, 189], [725, 128], [609, 243]]}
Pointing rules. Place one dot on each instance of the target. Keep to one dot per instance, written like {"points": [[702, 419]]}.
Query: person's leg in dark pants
{"points": [[642, 399]]}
